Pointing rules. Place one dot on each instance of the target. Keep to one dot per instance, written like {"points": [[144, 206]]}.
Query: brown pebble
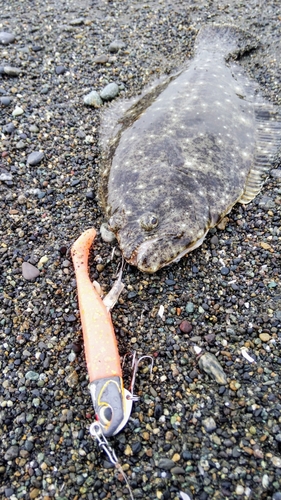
{"points": [[185, 326], [100, 268], [146, 436], [234, 385], [34, 493], [265, 337]]}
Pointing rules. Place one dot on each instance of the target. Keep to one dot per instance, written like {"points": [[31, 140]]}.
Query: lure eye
{"points": [[149, 221], [105, 415]]}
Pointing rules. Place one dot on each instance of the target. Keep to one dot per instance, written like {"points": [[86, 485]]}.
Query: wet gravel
{"points": [[187, 433]]}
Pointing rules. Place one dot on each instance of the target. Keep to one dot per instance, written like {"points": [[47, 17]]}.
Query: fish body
{"points": [[185, 152]]}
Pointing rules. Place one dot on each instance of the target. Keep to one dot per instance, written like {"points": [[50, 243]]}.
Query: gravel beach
{"points": [[188, 432]]}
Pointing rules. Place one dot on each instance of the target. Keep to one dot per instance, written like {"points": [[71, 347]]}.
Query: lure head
{"points": [[112, 404]]}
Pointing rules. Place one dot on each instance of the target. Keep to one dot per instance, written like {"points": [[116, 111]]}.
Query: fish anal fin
{"points": [[268, 147]]}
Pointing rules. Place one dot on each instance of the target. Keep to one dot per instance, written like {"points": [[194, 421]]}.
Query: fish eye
{"points": [[149, 221]]}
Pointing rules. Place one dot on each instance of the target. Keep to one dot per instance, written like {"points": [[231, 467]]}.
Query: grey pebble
{"points": [[109, 92], [34, 129], [29, 271], [20, 145], [60, 70], [10, 70], [6, 37], [177, 470], [189, 307], [5, 101], [93, 99], [6, 176], [115, 46], [31, 375], [101, 59], [209, 424], [77, 21], [209, 363], [9, 128], [35, 157], [224, 271], [12, 453], [166, 464]]}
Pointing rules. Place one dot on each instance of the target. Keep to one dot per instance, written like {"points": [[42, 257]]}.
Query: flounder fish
{"points": [[185, 151]]}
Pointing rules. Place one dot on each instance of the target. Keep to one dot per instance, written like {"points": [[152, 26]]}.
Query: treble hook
{"points": [[135, 365]]}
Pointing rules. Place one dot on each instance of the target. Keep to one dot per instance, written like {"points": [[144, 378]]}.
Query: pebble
{"points": [[276, 462], [60, 70], [6, 37], [17, 111], [93, 99], [29, 271], [109, 92], [189, 307], [107, 235], [265, 337], [166, 464], [31, 375], [102, 59], [6, 176], [10, 70], [5, 101], [185, 326], [209, 424], [35, 158], [209, 363], [12, 453], [115, 46]]}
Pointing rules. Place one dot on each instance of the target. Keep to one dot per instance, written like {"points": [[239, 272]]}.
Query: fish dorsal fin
{"points": [[268, 120]]}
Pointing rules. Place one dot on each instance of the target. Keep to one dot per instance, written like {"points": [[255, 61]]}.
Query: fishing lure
{"points": [[112, 402]]}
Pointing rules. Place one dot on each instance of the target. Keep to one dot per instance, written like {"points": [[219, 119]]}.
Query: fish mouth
{"points": [[153, 254]]}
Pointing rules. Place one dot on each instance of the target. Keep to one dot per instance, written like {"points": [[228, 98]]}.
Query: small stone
{"points": [[6, 37], [177, 470], [189, 307], [6, 176], [234, 385], [102, 59], [9, 128], [214, 240], [5, 101], [20, 145], [29, 271], [239, 489], [115, 46], [72, 379], [209, 363], [210, 337], [11, 71], [34, 129], [31, 375], [35, 158], [107, 235], [224, 271], [34, 493], [265, 337], [185, 326], [93, 99], [209, 424], [12, 453], [276, 461], [17, 111], [77, 21], [109, 92], [60, 70], [166, 464]]}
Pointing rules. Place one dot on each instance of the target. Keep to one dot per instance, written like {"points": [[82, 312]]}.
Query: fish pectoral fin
{"points": [[268, 143]]}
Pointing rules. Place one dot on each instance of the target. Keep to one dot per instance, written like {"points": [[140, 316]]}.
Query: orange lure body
{"points": [[111, 400]]}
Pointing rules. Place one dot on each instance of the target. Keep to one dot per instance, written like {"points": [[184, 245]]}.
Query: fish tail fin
{"points": [[227, 40]]}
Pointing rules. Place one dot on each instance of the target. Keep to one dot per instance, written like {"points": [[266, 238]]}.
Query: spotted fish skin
{"points": [[185, 152]]}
